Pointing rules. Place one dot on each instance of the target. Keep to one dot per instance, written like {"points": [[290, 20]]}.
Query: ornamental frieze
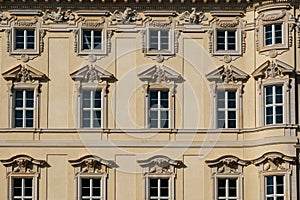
{"points": [[58, 16], [126, 17], [193, 17]]}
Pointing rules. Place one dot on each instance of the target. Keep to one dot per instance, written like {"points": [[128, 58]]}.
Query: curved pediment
{"points": [[272, 69], [227, 74], [92, 164], [160, 73], [92, 73], [24, 73]]}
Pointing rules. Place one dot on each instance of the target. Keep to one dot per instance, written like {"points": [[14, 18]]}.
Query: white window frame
{"points": [[227, 197], [92, 31], [226, 109], [274, 195], [171, 42], [274, 104], [13, 40], [273, 34], [171, 179], [24, 108], [226, 40], [102, 177], [34, 178], [159, 109], [239, 186], [105, 41], [92, 107], [24, 86]]}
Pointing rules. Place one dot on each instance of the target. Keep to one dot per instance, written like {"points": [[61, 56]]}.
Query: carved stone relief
{"points": [[227, 165], [92, 164], [58, 16], [23, 164], [160, 165], [227, 74], [192, 17], [126, 17]]}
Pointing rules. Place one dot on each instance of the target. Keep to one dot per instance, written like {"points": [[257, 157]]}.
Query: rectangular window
{"points": [[227, 188], [274, 187], [91, 108], [91, 189], [22, 189], [91, 39], [159, 188], [227, 109], [159, 40], [273, 34], [159, 109], [24, 39], [226, 40], [273, 104], [24, 108]]}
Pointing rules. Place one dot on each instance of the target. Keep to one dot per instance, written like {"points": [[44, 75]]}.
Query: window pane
{"points": [[221, 187], [86, 39], [97, 39], [231, 123], [153, 187], [232, 187], [153, 98]]}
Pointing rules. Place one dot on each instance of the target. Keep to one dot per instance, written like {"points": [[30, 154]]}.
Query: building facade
{"points": [[140, 100]]}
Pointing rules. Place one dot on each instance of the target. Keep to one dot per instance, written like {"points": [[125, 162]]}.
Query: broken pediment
{"points": [[272, 69], [227, 74], [24, 73], [160, 164], [274, 161], [92, 74], [23, 164], [227, 164], [92, 164], [159, 74]]}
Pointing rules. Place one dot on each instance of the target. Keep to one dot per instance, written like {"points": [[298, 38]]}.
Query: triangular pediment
{"points": [[227, 74], [92, 73], [272, 69], [157, 74], [24, 73]]}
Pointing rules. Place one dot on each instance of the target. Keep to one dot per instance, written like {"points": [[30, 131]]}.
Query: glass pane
{"points": [[86, 39], [97, 39], [269, 120], [232, 187], [231, 115], [29, 123], [221, 123], [153, 187], [231, 100], [153, 98], [221, 187], [220, 40], [18, 123], [153, 39], [97, 101], [231, 123], [86, 99], [153, 123]]}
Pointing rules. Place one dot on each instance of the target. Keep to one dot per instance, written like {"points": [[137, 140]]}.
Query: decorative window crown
{"points": [[227, 164], [227, 74], [92, 74], [23, 164], [92, 164], [160, 164], [274, 161], [24, 73]]}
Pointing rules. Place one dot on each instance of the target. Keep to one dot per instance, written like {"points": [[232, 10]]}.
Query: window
{"points": [[226, 40], [24, 39], [227, 188], [159, 188], [273, 104], [273, 34], [91, 39], [91, 189], [227, 109], [91, 108], [24, 108], [22, 188], [159, 109], [274, 187], [159, 40]]}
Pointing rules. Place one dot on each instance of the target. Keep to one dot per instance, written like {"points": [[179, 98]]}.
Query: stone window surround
{"points": [[102, 177], [160, 166], [274, 14], [171, 36], [96, 87], [36, 96], [34, 184]]}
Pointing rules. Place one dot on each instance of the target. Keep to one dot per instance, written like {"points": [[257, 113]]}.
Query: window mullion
{"points": [[273, 34], [226, 40], [92, 39], [23, 188], [158, 40], [158, 109], [24, 109], [226, 109], [25, 41], [91, 189], [91, 108], [274, 103]]}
